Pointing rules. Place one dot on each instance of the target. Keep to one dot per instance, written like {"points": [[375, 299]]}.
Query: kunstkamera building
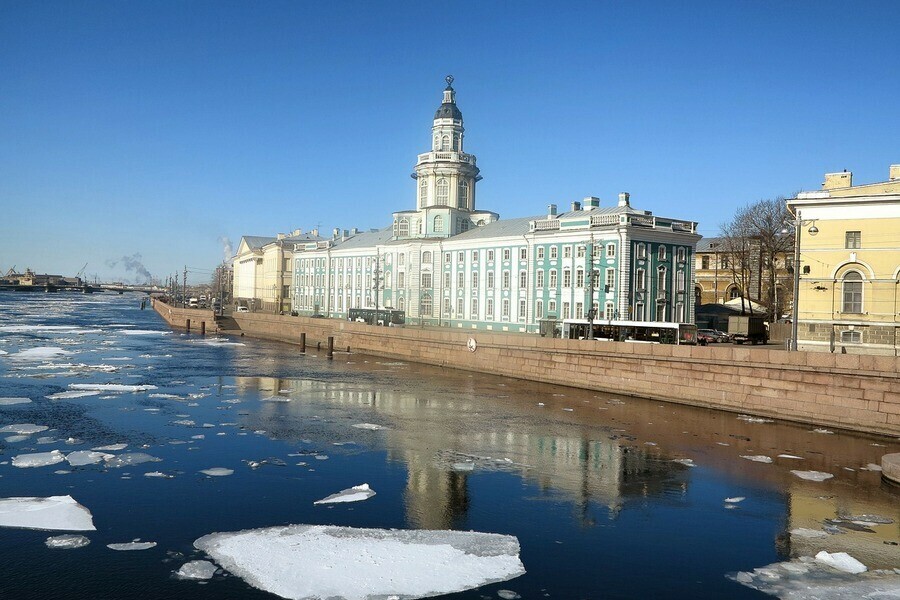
{"points": [[447, 263]]}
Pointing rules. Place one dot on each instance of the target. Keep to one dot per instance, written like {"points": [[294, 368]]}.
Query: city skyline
{"points": [[163, 130]]}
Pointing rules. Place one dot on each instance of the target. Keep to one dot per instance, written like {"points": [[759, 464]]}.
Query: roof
{"points": [[364, 239], [710, 244], [448, 110], [257, 241], [500, 228]]}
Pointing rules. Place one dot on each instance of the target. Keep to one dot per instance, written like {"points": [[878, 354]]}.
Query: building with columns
{"points": [[447, 263]]}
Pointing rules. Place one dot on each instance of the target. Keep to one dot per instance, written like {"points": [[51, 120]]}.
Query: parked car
{"points": [[711, 336], [723, 337], [242, 309]]}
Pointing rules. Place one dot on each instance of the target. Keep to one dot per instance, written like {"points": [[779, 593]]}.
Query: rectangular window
{"points": [[447, 307], [460, 279], [523, 280], [609, 312], [505, 313], [853, 241], [551, 308], [540, 279], [474, 308], [489, 308], [642, 250], [681, 255], [459, 308], [579, 278], [851, 337], [579, 252], [401, 279], [662, 253], [490, 280], [506, 254], [474, 256], [523, 253], [461, 257], [553, 278], [565, 311], [704, 262], [447, 258], [638, 312], [610, 251], [579, 310], [490, 255], [554, 252], [401, 259], [505, 280], [539, 309], [475, 280], [522, 309], [611, 278], [567, 278], [679, 281], [567, 251], [447, 279], [426, 280], [641, 281], [540, 253]]}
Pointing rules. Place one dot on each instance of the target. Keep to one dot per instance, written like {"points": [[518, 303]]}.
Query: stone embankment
{"points": [[855, 392], [191, 319]]}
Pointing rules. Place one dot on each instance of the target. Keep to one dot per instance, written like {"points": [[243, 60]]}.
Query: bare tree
{"points": [[737, 251]]}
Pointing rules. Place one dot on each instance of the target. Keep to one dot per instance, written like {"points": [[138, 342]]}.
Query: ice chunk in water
{"points": [[15, 438], [735, 500], [841, 561], [130, 458], [370, 426], [55, 512], [217, 472], [758, 458], [197, 569], [304, 562], [808, 579], [39, 353], [144, 332], [813, 475], [135, 545], [73, 394], [111, 387], [355, 494], [38, 459], [23, 428], [67, 542], [86, 457], [110, 448], [11, 401]]}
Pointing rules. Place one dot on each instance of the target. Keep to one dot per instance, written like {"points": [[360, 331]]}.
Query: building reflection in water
{"points": [[444, 438]]}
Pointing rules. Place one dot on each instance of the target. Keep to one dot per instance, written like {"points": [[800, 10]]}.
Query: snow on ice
{"points": [[11, 401], [355, 494], [807, 578], [303, 562], [135, 545], [130, 458], [67, 542], [217, 472], [841, 561], [758, 458], [110, 448], [197, 569], [23, 428], [39, 353], [69, 395], [54, 512], [111, 387], [81, 458], [813, 475], [38, 459]]}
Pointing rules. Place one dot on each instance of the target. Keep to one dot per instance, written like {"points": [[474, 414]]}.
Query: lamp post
{"points": [[813, 230]]}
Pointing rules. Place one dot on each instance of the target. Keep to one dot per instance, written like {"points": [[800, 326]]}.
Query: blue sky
{"points": [[157, 128]]}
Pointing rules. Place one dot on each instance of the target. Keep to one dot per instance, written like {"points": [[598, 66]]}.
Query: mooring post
{"points": [[202, 327], [303, 341], [187, 324], [330, 352]]}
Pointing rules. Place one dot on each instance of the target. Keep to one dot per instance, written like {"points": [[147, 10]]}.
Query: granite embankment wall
{"points": [[855, 392], [193, 319]]}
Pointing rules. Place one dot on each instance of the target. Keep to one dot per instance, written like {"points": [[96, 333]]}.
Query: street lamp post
{"points": [[795, 310]]}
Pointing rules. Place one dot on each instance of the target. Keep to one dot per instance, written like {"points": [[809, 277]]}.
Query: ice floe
{"points": [[804, 532], [38, 328], [144, 332], [688, 462], [111, 387], [813, 475], [130, 458], [39, 353], [110, 448], [80, 458], [275, 399], [67, 542], [356, 493], [217, 472], [62, 513], [135, 545], [735, 500], [752, 419], [12, 401], [15, 438], [197, 570], [370, 426], [23, 428], [304, 562], [158, 474], [841, 561], [790, 456], [38, 459], [73, 394], [218, 342], [807, 578], [758, 458]]}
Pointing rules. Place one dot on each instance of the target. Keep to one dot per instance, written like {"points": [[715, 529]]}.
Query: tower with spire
{"points": [[445, 181]]}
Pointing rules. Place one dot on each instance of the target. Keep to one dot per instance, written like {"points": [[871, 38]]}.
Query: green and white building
{"points": [[446, 263]]}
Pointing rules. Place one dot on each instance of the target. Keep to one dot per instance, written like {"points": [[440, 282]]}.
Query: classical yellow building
{"points": [[849, 294]]}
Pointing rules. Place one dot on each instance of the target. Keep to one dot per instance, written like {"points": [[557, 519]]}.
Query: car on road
{"points": [[723, 337], [710, 336], [242, 309]]}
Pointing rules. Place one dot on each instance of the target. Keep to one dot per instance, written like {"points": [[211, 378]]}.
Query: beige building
{"points": [[849, 265], [263, 269]]}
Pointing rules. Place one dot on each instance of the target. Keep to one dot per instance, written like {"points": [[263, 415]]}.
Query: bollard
{"points": [[187, 324], [330, 352], [318, 345], [303, 342], [202, 327]]}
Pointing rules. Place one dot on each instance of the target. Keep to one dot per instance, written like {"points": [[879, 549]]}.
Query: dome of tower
{"points": [[448, 110]]}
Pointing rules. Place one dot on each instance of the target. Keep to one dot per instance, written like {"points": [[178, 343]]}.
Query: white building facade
{"points": [[446, 263]]}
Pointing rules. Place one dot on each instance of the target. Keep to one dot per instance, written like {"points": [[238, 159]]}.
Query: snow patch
{"points": [[80, 458], [54, 512], [303, 562]]}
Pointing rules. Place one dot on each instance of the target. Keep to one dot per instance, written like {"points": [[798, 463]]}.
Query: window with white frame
{"points": [[567, 278], [505, 280], [474, 280], [448, 259], [523, 280], [505, 308], [579, 310], [401, 279], [460, 257], [661, 252], [679, 281], [540, 253], [609, 311], [579, 252], [446, 279], [610, 251], [523, 253], [579, 278], [523, 307], [565, 310], [681, 255], [489, 308], [426, 280], [463, 193], [554, 252], [474, 256], [490, 256], [438, 224], [445, 142], [662, 280], [446, 305], [853, 240], [425, 306], [401, 259], [851, 336], [423, 191], [852, 284], [404, 228], [639, 312], [611, 278], [401, 303], [474, 314], [426, 257], [490, 280], [567, 251], [460, 279], [640, 282], [552, 278], [539, 283], [459, 308], [551, 308], [506, 254]]}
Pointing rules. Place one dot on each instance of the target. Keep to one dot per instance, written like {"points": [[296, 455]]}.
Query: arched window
{"points": [[439, 224], [456, 141], [640, 281], [423, 191], [442, 195], [734, 292], [463, 193], [445, 142], [853, 293], [698, 294], [426, 257], [425, 306], [403, 231], [661, 279], [401, 303]]}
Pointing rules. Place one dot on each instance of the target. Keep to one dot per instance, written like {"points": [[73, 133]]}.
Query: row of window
{"points": [[442, 197], [662, 253]]}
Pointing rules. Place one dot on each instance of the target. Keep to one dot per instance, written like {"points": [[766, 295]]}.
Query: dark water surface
{"points": [[588, 482]]}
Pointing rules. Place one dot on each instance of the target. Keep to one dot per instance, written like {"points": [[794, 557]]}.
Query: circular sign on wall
{"points": [[472, 345]]}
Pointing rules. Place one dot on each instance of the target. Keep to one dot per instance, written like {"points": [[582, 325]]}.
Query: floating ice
{"points": [[827, 431], [197, 569], [790, 456], [185, 422], [166, 396], [809, 579], [67, 395], [508, 595], [735, 500], [304, 562], [135, 545], [275, 399], [38, 459], [813, 475], [111, 387], [81, 458], [130, 458], [218, 342], [110, 448], [55, 512], [841, 561], [355, 494], [688, 462], [15, 438], [38, 328], [370, 426], [751, 419], [144, 332], [39, 353], [67, 542], [11, 401], [23, 428], [758, 458], [872, 467], [159, 474], [804, 532], [217, 472]]}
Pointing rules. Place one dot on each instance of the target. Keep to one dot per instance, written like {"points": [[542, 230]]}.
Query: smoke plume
{"points": [[227, 249], [133, 263]]}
